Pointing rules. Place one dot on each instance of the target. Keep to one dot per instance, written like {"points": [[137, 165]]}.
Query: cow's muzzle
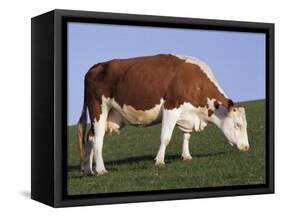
{"points": [[244, 148]]}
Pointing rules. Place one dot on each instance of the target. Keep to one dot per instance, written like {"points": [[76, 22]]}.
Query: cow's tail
{"points": [[81, 131]]}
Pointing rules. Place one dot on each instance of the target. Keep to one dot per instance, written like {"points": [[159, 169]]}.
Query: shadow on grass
{"points": [[136, 159]]}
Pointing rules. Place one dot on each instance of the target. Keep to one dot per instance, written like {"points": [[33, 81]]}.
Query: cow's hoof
{"points": [[102, 173], [186, 158], [159, 164], [88, 173]]}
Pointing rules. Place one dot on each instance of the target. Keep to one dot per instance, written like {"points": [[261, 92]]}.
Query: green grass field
{"points": [[129, 159]]}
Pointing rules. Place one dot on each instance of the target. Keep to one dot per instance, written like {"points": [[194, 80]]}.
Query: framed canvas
{"points": [[133, 108]]}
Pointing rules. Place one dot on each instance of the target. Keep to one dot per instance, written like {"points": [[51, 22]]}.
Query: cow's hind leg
{"points": [[99, 128], [185, 147], [169, 121], [89, 154]]}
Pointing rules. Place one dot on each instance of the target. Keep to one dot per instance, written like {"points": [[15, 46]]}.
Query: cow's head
{"points": [[233, 123], [234, 127]]}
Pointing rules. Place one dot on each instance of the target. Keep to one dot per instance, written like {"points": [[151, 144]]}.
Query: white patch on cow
{"points": [[211, 103], [138, 117], [192, 118], [99, 129], [205, 68]]}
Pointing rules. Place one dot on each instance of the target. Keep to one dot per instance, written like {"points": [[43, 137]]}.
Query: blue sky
{"points": [[236, 58]]}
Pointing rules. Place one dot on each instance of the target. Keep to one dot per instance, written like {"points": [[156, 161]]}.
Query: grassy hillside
{"points": [[129, 159]]}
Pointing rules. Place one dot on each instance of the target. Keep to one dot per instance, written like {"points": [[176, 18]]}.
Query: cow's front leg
{"points": [[185, 147], [169, 121], [99, 128]]}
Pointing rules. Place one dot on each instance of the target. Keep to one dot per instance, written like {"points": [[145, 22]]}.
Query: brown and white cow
{"points": [[176, 90]]}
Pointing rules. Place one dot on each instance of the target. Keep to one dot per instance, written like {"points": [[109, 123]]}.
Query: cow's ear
{"points": [[230, 105]]}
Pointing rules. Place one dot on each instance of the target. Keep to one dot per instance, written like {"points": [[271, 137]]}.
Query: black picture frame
{"points": [[49, 106]]}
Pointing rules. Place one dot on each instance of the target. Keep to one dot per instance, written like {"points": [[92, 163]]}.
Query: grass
{"points": [[129, 159]]}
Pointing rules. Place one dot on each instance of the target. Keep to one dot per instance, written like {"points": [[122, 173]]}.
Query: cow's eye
{"points": [[238, 126]]}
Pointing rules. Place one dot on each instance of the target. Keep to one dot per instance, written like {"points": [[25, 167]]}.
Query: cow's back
{"points": [[140, 82], [145, 81]]}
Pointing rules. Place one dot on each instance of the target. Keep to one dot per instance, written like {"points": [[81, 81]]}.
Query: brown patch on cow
{"points": [[210, 112], [141, 83], [216, 105]]}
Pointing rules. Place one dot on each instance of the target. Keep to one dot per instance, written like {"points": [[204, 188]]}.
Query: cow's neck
{"points": [[218, 117]]}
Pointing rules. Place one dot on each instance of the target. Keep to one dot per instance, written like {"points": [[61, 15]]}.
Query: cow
{"points": [[175, 90]]}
